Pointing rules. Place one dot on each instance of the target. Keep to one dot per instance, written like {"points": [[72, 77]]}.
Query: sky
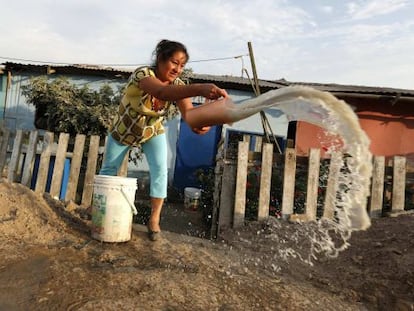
{"points": [[368, 43]]}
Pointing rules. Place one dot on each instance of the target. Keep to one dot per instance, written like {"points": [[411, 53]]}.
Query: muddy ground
{"points": [[48, 261]]}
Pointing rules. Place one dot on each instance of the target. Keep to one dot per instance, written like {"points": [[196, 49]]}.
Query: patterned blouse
{"points": [[140, 115]]}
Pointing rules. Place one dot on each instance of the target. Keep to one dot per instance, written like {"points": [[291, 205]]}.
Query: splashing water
{"points": [[335, 116], [301, 103]]}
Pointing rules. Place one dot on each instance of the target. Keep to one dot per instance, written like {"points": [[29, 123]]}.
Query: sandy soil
{"points": [[48, 261]]}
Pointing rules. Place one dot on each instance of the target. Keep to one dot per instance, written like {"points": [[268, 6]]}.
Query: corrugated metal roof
{"points": [[240, 83], [330, 87], [69, 69], [356, 89], [235, 80], [245, 84]]}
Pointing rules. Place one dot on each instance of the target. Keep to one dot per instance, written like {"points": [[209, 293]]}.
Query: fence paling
{"points": [[241, 180], [75, 167], [59, 165], [29, 158], [377, 186], [398, 185], [90, 171], [41, 180], [265, 181], [332, 186], [289, 183], [227, 198], [313, 184]]}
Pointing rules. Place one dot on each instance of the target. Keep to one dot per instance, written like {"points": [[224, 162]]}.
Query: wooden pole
{"points": [[265, 122], [255, 79]]}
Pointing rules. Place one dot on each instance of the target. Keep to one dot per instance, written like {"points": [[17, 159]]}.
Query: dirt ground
{"points": [[48, 261]]}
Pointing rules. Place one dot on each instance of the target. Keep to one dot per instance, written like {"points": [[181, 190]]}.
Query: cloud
{"points": [[327, 9], [368, 9], [295, 40], [262, 19]]}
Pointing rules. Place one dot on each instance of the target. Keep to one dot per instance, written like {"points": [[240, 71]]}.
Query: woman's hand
{"points": [[201, 130], [212, 91]]}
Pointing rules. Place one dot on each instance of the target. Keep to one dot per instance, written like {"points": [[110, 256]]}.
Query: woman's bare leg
{"points": [[154, 220], [212, 113]]}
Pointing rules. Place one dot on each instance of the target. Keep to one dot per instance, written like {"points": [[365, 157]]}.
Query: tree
{"points": [[64, 107]]}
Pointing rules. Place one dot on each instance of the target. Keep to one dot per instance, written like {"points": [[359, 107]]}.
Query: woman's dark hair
{"points": [[166, 48]]}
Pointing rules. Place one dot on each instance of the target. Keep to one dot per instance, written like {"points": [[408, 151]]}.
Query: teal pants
{"points": [[155, 151]]}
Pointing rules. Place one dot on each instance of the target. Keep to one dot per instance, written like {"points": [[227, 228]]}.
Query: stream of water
{"points": [[337, 118]]}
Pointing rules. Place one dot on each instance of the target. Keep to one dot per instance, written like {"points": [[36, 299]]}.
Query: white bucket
{"points": [[112, 208], [192, 198]]}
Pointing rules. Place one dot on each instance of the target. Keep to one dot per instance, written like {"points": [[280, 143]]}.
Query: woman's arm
{"points": [[171, 92]]}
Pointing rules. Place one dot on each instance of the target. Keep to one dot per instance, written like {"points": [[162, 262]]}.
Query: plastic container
{"points": [[113, 208], [192, 198]]}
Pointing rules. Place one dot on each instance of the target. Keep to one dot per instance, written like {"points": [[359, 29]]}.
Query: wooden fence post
{"points": [[75, 166], [90, 171], [398, 184], [265, 181], [59, 165], [313, 184], [241, 180], [332, 186], [48, 141], [228, 188], [289, 183], [377, 187], [30, 158]]}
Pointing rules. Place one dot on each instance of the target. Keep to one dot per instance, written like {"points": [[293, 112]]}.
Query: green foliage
{"points": [[64, 107]]}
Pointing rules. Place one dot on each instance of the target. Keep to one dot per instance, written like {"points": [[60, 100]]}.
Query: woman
{"points": [[147, 96]]}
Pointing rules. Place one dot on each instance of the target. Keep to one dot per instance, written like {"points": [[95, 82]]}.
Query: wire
{"points": [[216, 59], [32, 61], [115, 65]]}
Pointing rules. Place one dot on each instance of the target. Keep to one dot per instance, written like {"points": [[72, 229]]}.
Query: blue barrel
{"points": [[65, 176]]}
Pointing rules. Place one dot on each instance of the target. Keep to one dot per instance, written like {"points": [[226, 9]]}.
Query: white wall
{"points": [[277, 120]]}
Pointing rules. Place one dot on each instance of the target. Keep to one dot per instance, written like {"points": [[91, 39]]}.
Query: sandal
{"points": [[153, 235]]}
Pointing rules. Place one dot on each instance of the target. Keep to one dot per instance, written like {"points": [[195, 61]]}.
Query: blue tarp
{"points": [[194, 152]]}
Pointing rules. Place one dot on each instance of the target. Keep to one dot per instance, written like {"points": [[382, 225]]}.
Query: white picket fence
{"points": [[231, 185], [19, 151]]}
